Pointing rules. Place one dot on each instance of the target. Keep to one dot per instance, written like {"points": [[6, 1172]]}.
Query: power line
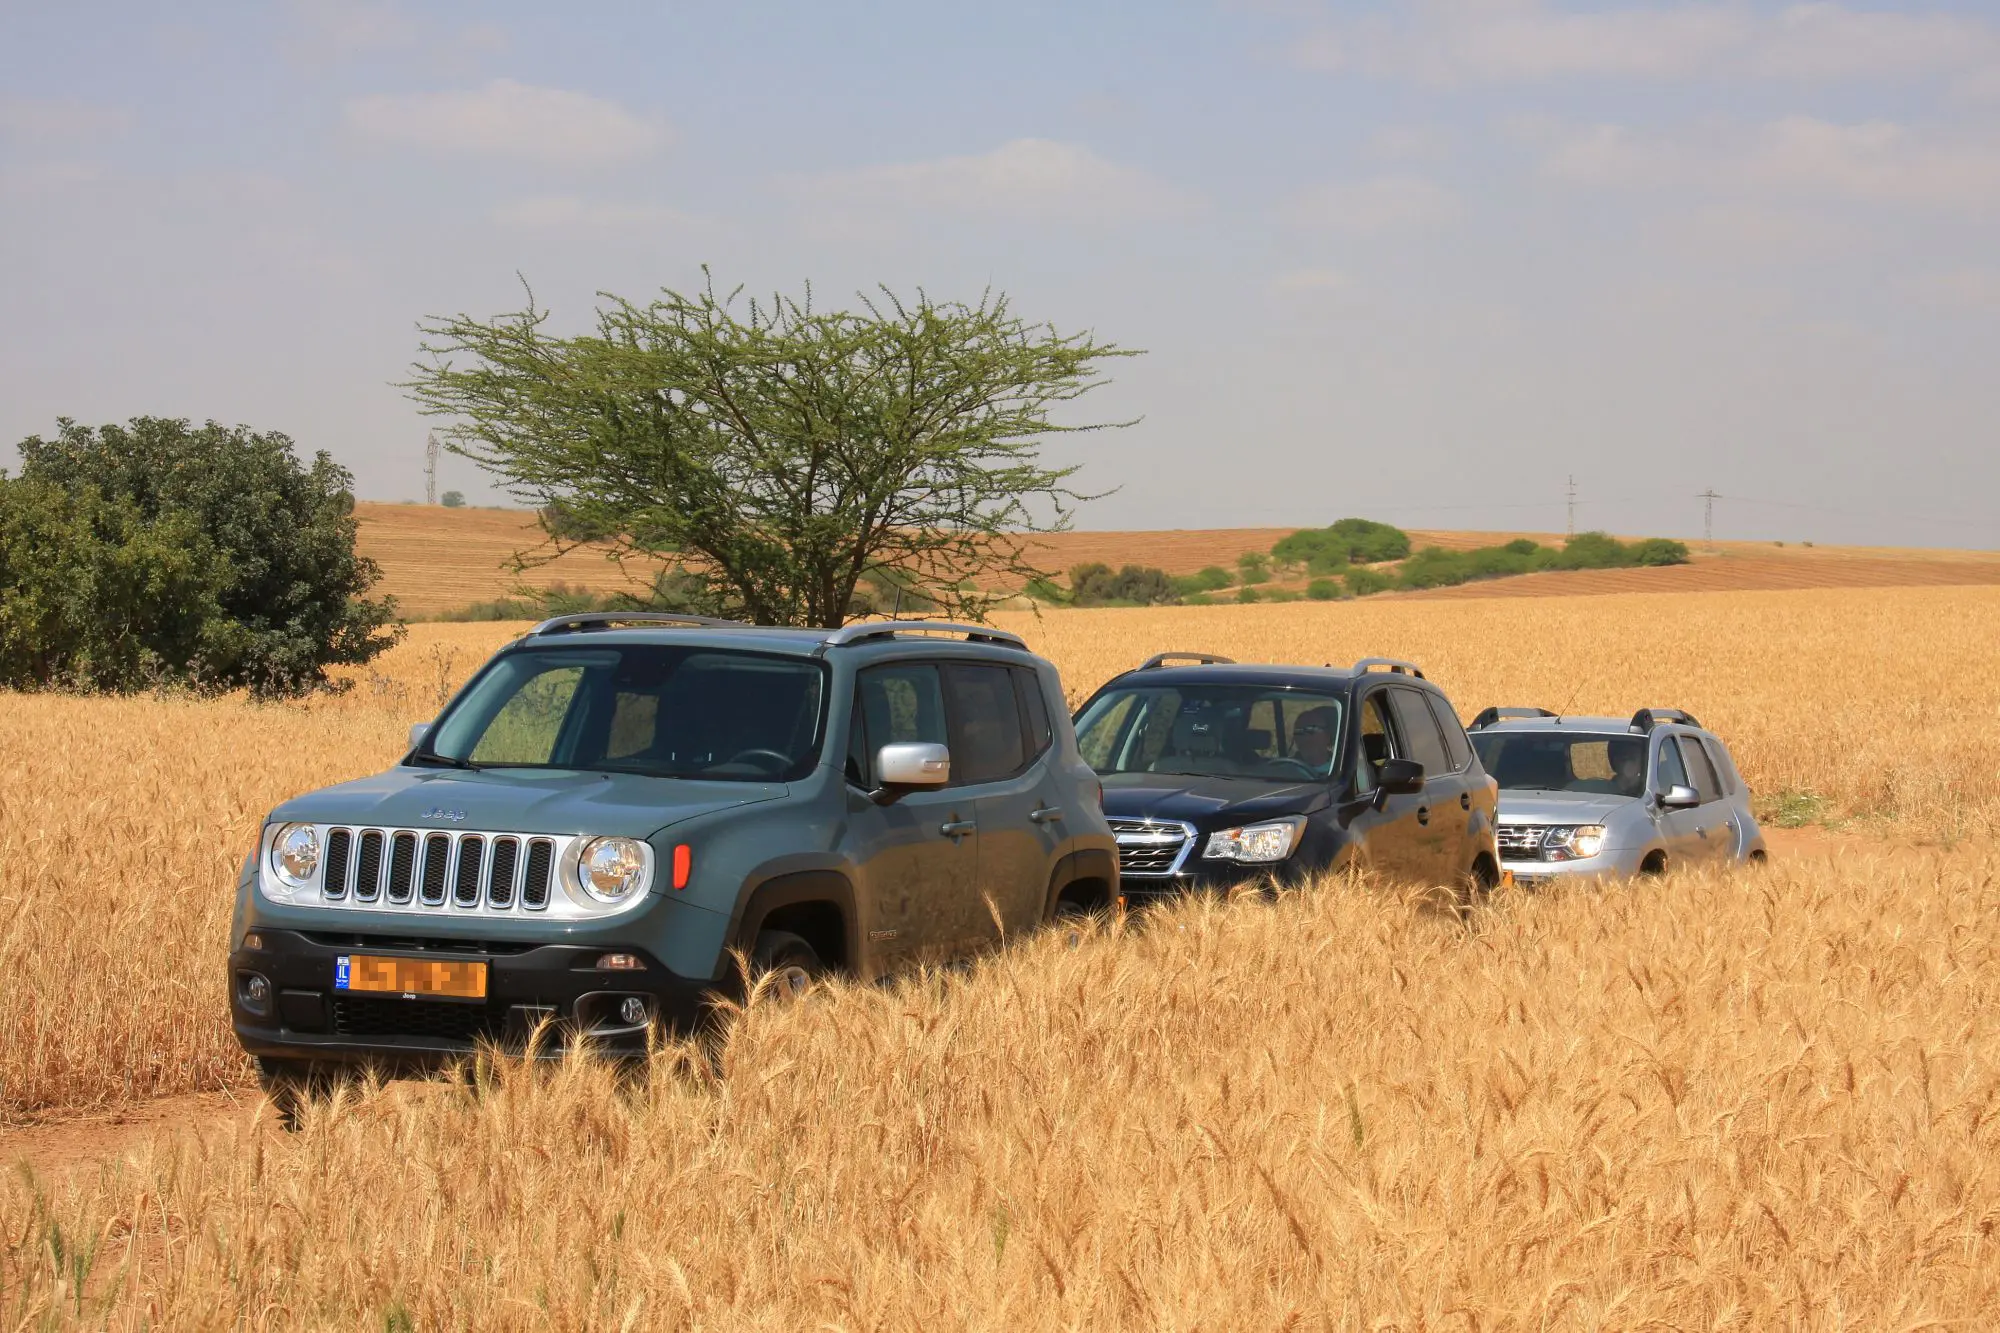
{"points": [[1572, 504], [1708, 499], [431, 468]]}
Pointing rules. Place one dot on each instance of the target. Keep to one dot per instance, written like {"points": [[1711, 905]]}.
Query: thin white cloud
{"points": [[1038, 179], [1876, 162], [339, 29], [1372, 207], [573, 214], [1450, 42], [43, 120], [506, 119]]}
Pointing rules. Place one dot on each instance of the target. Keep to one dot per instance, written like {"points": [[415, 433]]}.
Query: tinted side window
{"points": [[1700, 770], [986, 721], [1455, 743], [1419, 731], [1673, 773], [1034, 710], [1725, 772], [900, 703], [1376, 747]]}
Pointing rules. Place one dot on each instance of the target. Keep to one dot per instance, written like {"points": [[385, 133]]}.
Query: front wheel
{"points": [[784, 965], [291, 1084]]}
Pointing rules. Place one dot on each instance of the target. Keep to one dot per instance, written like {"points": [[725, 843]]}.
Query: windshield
{"points": [[1248, 731], [670, 712], [1549, 761]]}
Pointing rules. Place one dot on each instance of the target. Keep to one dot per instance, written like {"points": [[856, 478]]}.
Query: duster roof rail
{"points": [[589, 620], [1648, 718], [1488, 716]]}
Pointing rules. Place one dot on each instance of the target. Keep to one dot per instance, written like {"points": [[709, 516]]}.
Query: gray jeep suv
{"points": [[616, 804], [1613, 796]]}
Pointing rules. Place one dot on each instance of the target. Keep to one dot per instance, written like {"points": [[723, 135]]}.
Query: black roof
{"points": [[1287, 676]]}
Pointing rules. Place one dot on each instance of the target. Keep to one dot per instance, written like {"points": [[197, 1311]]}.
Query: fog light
{"points": [[633, 1011], [253, 940], [620, 962], [256, 993]]}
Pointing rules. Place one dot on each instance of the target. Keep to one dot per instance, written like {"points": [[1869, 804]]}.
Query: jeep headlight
{"points": [[295, 855], [1272, 840], [1579, 841], [611, 870]]}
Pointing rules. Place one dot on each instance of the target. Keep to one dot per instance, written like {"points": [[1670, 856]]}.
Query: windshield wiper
{"points": [[444, 760]]}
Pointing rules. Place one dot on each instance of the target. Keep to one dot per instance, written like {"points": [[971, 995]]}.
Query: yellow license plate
{"points": [[410, 977]]}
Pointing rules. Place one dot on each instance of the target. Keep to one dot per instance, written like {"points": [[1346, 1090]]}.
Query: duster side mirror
{"points": [[418, 730], [1678, 797]]}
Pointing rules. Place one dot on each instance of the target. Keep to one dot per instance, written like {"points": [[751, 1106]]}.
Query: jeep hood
{"points": [[522, 801], [1555, 807], [1207, 802]]}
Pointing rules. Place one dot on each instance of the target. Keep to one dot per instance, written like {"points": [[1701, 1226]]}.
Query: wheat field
{"points": [[1724, 1100]]}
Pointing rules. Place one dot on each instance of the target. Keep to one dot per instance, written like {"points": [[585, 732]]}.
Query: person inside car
{"points": [[1312, 739]]}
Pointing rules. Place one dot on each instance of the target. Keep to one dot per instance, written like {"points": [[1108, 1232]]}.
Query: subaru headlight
{"points": [[1272, 840], [1578, 842], [295, 855], [611, 870]]}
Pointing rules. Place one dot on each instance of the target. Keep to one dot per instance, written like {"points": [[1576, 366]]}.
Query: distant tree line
{"points": [[1354, 557]]}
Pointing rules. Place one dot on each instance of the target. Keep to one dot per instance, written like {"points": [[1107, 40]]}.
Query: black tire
{"points": [[1654, 865], [783, 966], [291, 1084], [1477, 885]]}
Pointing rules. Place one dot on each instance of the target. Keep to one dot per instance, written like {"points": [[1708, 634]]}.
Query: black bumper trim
{"points": [[307, 1019]]}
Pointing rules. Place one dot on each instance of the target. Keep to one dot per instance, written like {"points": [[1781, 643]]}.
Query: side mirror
{"points": [[910, 765], [1400, 777], [1678, 797], [418, 730]]}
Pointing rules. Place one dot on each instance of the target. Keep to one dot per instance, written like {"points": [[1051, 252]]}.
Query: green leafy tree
{"points": [[266, 591], [1331, 549], [1095, 584], [780, 451], [452, 499], [1253, 567]]}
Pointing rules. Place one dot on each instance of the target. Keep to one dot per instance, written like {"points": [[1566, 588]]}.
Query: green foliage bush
{"points": [[452, 499], [1094, 584], [1212, 578], [1434, 567], [1362, 582], [162, 553], [1358, 541], [1253, 567], [1325, 590]]}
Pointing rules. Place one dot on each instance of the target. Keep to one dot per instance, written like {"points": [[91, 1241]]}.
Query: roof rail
{"points": [[588, 620], [1395, 664], [1488, 716], [1648, 718], [863, 630], [1203, 659]]}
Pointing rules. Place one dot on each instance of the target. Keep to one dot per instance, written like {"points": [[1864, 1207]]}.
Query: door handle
{"points": [[957, 828], [1465, 800], [1423, 814], [1046, 814]]}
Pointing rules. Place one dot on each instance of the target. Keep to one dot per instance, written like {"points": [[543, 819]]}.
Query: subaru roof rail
{"points": [[589, 620], [1488, 716], [1200, 659], [1394, 664], [1648, 718], [861, 631]]}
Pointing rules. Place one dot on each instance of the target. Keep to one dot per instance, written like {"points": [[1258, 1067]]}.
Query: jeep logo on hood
{"points": [[439, 812]]}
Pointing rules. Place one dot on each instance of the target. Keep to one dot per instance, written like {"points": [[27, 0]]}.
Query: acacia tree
{"points": [[780, 453]]}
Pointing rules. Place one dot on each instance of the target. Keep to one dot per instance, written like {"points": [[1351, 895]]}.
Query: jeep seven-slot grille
{"points": [[429, 871], [1150, 846]]}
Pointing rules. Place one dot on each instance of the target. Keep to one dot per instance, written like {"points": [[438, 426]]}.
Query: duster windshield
{"points": [[664, 711]]}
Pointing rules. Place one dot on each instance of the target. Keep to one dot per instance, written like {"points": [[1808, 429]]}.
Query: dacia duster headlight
{"points": [[295, 855], [611, 870], [1272, 840], [1577, 842]]}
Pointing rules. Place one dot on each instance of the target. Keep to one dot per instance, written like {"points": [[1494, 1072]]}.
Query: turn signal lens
{"points": [[683, 865], [252, 940], [620, 962]]}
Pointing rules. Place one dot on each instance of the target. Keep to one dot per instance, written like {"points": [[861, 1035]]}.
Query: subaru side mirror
{"points": [[418, 730], [904, 766], [1400, 777], [1678, 797]]}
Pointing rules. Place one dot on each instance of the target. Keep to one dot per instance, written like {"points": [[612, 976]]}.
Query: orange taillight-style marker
{"points": [[683, 865]]}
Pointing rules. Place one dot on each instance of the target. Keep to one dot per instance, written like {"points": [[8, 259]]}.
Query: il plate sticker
{"points": [[340, 972]]}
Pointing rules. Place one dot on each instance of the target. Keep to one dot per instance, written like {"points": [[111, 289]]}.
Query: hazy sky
{"points": [[1419, 262]]}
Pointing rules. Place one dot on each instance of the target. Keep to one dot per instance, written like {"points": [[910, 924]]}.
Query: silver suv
{"points": [[1613, 796]]}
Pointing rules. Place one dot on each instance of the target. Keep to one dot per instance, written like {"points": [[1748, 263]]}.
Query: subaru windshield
{"points": [[653, 709], [1564, 761], [1248, 731]]}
